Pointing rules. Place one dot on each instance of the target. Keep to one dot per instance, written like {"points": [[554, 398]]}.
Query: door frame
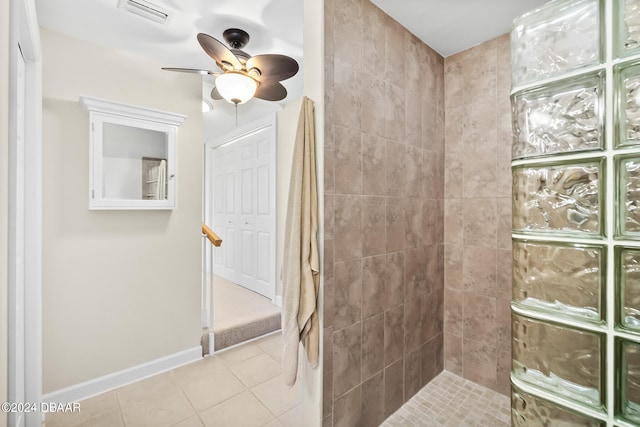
{"points": [[25, 225], [266, 122]]}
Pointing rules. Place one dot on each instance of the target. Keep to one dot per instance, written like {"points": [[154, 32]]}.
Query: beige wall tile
{"points": [[480, 222], [348, 25], [347, 358], [347, 294], [394, 112], [413, 372], [453, 353], [348, 227], [396, 224], [373, 285], [480, 72], [347, 409], [373, 105], [412, 325], [394, 280], [348, 161], [374, 165], [394, 335], [372, 346], [347, 95], [432, 358], [373, 400], [453, 221], [479, 269], [453, 312], [394, 53], [393, 387], [480, 318], [374, 37], [374, 223], [432, 315], [479, 363], [396, 236]]}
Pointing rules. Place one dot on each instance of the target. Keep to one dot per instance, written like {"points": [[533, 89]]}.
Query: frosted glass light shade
{"points": [[236, 88]]}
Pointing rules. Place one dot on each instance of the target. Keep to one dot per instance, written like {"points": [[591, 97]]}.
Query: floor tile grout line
{"points": [[186, 396]]}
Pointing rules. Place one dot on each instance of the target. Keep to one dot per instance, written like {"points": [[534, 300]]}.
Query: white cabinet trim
{"points": [[104, 111]]}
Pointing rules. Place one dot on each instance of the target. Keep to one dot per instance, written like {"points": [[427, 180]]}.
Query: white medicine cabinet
{"points": [[132, 156]]}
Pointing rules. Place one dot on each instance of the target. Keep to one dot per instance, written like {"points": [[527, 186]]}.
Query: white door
{"points": [[242, 206], [256, 212], [224, 218]]}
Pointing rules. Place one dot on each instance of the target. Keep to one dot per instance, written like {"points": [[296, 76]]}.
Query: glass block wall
{"points": [[575, 305]]}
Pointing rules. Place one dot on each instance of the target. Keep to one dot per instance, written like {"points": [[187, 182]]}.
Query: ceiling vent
{"points": [[146, 10]]}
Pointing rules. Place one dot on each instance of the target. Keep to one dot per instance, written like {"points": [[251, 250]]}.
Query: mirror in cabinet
{"points": [[132, 156]]}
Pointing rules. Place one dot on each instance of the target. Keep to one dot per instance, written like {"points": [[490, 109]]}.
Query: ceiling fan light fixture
{"points": [[236, 88]]}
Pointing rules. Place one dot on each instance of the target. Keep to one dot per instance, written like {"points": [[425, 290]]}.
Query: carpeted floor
{"points": [[240, 314]]}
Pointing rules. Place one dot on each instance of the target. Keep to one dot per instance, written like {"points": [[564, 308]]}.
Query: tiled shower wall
{"points": [[477, 209], [383, 191]]}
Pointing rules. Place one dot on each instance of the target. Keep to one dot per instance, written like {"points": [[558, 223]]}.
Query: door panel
{"points": [[264, 243], [246, 192], [263, 190], [248, 166], [247, 266]]}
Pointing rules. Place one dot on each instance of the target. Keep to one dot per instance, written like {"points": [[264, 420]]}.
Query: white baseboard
{"points": [[278, 300], [108, 382]]}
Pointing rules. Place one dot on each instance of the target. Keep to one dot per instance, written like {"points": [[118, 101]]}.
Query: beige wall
{"points": [[286, 125], [477, 229], [4, 197], [120, 288], [383, 189]]}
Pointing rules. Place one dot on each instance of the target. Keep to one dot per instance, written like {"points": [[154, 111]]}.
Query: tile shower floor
{"points": [[451, 401], [242, 386]]}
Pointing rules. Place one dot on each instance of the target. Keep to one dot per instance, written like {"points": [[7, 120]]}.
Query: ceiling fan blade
{"points": [[215, 94], [219, 52], [271, 91], [273, 67], [187, 70]]}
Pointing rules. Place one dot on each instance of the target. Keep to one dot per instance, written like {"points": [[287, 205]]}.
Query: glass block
{"points": [[531, 411], [628, 203], [628, 278], [561, 198], [565, 279], [560, 118], [558, 359], [628, 36], [628, 103], [629, 400], [560, 36]]}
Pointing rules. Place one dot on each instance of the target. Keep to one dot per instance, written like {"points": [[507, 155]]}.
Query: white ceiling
{"points": [[275, 26], [451, 26]]}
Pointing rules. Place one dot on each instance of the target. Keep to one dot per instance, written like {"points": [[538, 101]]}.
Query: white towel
{"points": [[301, 269]]}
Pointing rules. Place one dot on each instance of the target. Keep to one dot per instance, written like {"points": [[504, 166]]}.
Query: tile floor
{"points": [[451, 401], [241, 386]]}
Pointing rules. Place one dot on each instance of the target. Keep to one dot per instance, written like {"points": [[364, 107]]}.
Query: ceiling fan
{"points": [[241, 75]]}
